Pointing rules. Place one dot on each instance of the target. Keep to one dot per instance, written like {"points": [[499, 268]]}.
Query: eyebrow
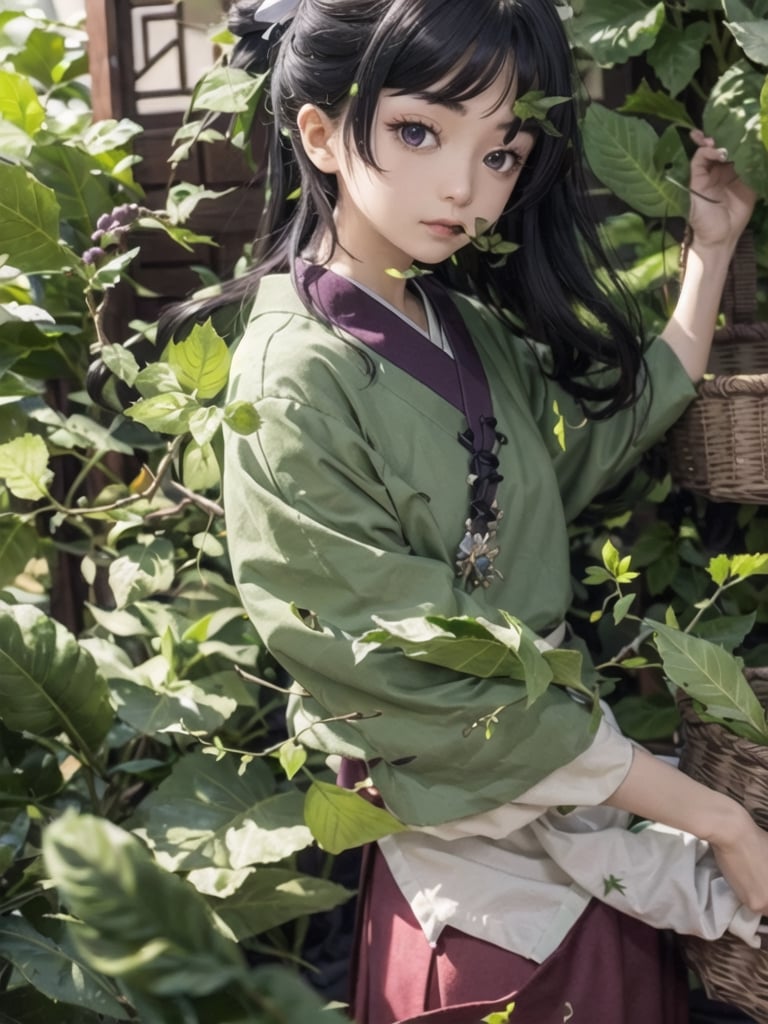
{"points": [[510, 128]]}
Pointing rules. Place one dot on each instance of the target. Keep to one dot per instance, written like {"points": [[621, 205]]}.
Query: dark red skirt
{"points": [[610, 969]]}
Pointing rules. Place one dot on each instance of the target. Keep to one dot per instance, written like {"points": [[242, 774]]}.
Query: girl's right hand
{"points": [[655, 790], [742, 856]]}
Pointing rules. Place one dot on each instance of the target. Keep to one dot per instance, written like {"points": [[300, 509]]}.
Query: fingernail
{"points": [[722, 153]]}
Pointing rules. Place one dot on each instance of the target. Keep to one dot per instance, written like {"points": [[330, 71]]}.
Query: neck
{"points": [[389, 287], [386, 286]]}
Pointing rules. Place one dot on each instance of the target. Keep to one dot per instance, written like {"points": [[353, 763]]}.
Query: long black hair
{"points": [[339, 55]]}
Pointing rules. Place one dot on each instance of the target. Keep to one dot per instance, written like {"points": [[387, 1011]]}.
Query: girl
{"points": [[401, 413]]}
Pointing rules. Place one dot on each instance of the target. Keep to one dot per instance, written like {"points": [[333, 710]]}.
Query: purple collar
{"points": [[460, 380]]}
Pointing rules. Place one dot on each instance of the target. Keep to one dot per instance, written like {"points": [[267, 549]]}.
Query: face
{"points": [[444, 168]]}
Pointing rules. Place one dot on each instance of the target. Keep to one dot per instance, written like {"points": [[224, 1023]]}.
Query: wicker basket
{"points": [[729, 970], [719, 447]]}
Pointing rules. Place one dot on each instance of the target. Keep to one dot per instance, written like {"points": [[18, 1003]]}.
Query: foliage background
{"points": [[162, 843]]}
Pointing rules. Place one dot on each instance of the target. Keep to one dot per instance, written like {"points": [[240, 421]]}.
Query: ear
{"points": [[319, 137]]}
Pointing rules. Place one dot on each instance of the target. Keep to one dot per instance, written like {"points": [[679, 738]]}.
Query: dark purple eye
{"points": [[414, 134], [502, 160]]}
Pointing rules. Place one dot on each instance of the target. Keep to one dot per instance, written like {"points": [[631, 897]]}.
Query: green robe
{"points": [[350, 501]]}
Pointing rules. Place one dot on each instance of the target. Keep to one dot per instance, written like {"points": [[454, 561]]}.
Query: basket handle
{"points": [[755, 384], [739, 302]]}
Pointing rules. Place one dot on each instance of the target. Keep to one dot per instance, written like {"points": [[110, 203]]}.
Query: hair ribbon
{"points": [[276, 12]]}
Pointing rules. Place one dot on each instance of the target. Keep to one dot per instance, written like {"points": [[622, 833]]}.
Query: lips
{"points": [[445, 228]]}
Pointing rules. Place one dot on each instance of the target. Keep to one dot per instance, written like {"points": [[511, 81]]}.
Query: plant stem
{"points": [[149, 492], [705, 606], [85, 469], [716, 42], [97, 315]]}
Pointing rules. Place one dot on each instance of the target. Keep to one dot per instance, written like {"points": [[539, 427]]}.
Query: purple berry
{"points": [[124, 215], [92, 255]]}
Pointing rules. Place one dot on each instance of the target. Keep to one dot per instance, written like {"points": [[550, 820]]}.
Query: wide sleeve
{"points": [[591, 456], [322, 537], [598, 453]]}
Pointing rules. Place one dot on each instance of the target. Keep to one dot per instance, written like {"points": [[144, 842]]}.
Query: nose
{"points": [[458, 186]]}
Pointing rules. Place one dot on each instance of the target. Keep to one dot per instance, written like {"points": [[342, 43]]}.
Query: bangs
{"points": [[452, 60], [450, 51]]}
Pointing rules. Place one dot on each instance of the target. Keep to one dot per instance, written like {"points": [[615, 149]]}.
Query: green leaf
{"points": [[204, 424], [61, 975], [729, 631], [409, 274], [166, 942], [156, 379], [196, 817], [645, 102], [241, 417], [749, 29], [612, 883], [109, 134], [567, 667], [153, 705], [19, 104], [18, 543], [201, 361], [597, 576], [463, 644], [621, 608], [535, 106], [200, 468], [14, 144], [183, 236], [14, 824], [190, 135], [168, 414], [676, 54], [653, 717], [280, 997], [670, 618], [24, 467], [711, 676], [48, 683], [610, 557], [292, 757], [6, 16], [732, 116], [612, 31], [559, 428], [764, 113], [340, 819], [141, 570], [111, 272], [744, 566], [270, 897], [120, 361], [719, 569], [83, 432], [43, 51], [82, 189], [271, 832], [29, 214], [183, 199], [227, 89], [501, 1016], [621, 153]]}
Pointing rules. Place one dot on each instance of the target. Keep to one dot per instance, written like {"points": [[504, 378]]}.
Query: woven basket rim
{"points": [[732, 385], [721, 739]]}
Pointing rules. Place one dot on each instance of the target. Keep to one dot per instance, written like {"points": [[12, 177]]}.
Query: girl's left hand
{"points": [[721, 203]]}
